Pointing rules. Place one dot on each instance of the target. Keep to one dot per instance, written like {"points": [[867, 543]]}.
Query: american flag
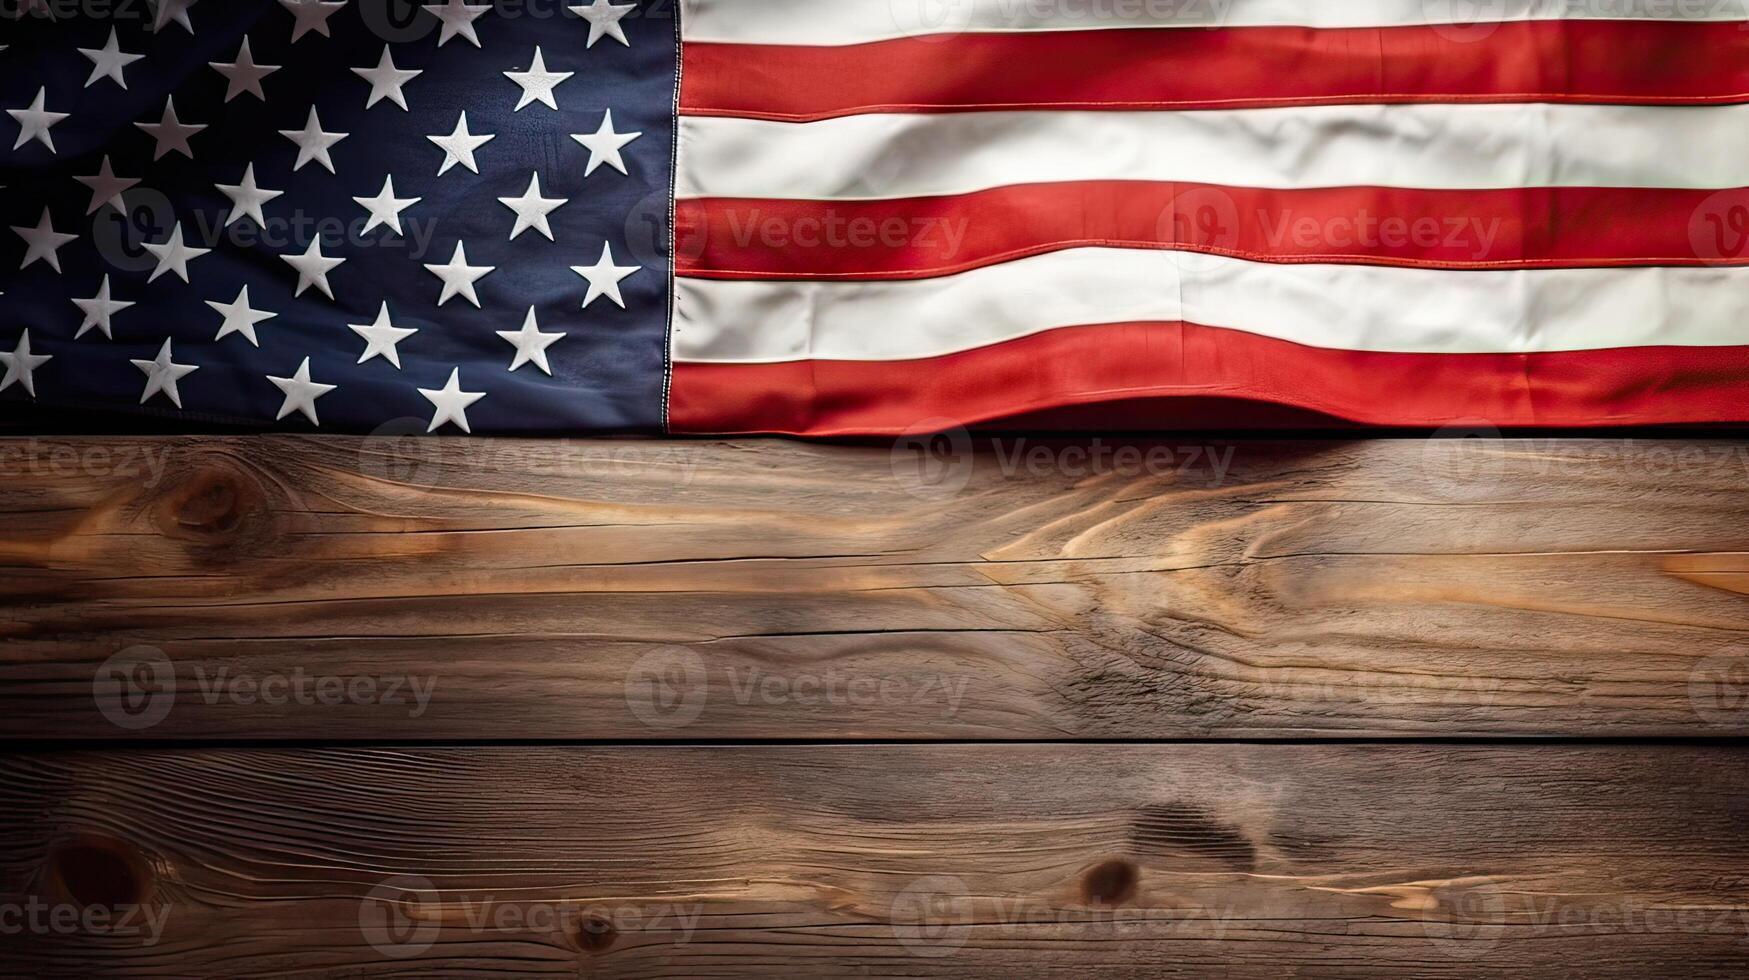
{"points": [[851, 217]]}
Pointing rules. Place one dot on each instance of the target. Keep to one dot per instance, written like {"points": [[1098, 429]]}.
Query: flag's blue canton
{"points": [[607, 368]]}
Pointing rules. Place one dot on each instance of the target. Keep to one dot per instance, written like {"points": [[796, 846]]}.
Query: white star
{"points": [[34, 122], [459, 277], [300, 393], [538, 83], [451, 402], [170, 132], [604, 145], [531, 345], [312, 143], [106, 187], [247, 199], [381, 337], [459, 146], [43, 242], [458, 18], [604, 18], [239, 317], [171, 10], [162, 373], [244, 75], [108, 61], [386, 80], [313, 268], [604, 277], [20, 364], [385, 209], [532, 209], [98, 309], [173, 255], [312, 15]]}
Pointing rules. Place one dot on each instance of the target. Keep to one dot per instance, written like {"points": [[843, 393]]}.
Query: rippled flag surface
{"points": [[882, 214]]}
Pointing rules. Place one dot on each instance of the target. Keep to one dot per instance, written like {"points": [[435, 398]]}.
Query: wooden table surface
{"points": [[1006, 707]]}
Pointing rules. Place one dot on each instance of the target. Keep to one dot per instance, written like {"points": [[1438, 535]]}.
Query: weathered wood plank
{"points": [[691, 590], [1243, 860]]}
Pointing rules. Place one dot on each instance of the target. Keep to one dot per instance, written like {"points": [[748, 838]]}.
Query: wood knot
{"points": [[214, 505], [595, 933], [210, 506], [1110, 883], [103, 872]]}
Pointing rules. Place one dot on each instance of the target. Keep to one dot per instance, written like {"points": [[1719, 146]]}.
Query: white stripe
{"points": [[1424, 146], [1348, 307], [832, 22]]}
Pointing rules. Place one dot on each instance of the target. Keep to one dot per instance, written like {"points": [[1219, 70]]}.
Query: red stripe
{"points": [[915, 238], [1147, 367], [1615, 61]]}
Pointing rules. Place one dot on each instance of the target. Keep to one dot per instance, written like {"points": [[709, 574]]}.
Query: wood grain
{"points": [[1257, 860], [750, 590]]}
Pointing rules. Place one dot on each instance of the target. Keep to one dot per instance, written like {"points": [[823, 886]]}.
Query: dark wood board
{"points": [[1179, 860]]}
